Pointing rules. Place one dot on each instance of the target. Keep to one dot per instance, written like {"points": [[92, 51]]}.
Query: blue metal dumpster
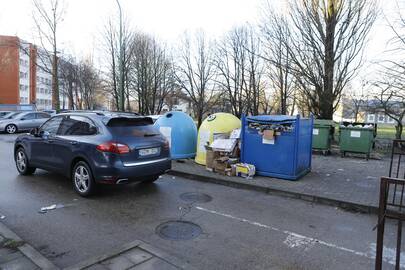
{"points": [[286, 153], [181, 132]]}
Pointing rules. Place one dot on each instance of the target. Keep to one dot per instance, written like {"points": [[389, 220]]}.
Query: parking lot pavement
{"points": [[352, 183], [205, 225]]}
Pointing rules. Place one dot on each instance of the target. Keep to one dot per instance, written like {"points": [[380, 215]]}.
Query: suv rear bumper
{"points": [[136, 171]]}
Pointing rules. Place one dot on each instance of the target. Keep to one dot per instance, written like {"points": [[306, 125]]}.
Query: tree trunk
{"points": [[326, 98], [398, 131], [55, 84]]}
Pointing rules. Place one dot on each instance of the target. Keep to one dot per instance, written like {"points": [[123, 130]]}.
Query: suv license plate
{"points": [[148, 151]]}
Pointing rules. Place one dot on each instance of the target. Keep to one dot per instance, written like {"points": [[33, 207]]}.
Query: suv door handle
{"points": [[50, 141], [74, 143]]}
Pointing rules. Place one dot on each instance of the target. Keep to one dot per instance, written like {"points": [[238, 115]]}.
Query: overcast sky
{"points": [[166, 19]]}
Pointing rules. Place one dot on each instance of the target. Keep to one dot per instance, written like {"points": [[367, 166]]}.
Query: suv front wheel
{"points": [[82, 178], [22, 163]]}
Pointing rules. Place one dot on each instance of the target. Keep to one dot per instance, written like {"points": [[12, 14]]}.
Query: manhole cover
{"points": [[178, 230], [195, 197]]}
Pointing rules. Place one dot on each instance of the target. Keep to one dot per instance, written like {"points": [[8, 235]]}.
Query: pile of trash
{"points": [[223, 156]]}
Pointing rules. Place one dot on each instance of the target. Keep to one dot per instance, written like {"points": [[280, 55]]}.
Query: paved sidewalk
{"points": [[136, 255], [351, 183], [15, 254]]}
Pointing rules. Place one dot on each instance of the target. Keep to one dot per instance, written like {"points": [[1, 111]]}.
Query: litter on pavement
{"points": [[2, 217], [45, 209]]}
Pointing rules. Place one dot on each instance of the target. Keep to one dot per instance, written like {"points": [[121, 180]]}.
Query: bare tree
{"points": [[68, 75], [328, 37], [240, 70], [47, 18], [116, 44], [276, 33], [89, 83], [390, 94], [231, 62], [391, 100], [151, 75], [195, 73]]}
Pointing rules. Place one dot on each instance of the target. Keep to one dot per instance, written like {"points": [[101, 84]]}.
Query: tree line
{"points": [[301, 60]]}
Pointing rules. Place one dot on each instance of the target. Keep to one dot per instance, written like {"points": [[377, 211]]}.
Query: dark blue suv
{"points": [[91, 148]]}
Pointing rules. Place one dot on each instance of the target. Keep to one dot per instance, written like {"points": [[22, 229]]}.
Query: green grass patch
{"points": [[11, 244], [386, 132]]}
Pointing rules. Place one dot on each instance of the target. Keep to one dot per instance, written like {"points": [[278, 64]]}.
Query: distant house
{"points": [[367, 111], [350, 110]]}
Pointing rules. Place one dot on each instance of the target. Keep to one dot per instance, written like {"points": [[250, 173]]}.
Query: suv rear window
{"points": [[137, 127]]}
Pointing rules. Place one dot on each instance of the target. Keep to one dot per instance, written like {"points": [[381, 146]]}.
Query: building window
{"points": [[23, 100], [381, 118], [23, 75], [390, 120], [23, 88], [371, 118]]}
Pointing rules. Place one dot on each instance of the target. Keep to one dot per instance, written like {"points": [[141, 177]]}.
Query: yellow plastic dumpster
{"points": [[212, 127]]}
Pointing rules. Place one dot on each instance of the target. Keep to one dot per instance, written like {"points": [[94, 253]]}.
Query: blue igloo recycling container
{"points": [[181, 132]]}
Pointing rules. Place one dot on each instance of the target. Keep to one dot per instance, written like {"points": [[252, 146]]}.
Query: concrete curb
{"points": [[350, 206], [28, 251], [135, 244]]}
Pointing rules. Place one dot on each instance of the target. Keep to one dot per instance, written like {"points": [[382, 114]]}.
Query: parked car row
{"points": [[90, 147], [13, 122]]}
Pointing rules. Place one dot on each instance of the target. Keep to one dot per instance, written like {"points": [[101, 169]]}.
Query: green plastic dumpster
{"points": [[322, 135], [356, 138]]}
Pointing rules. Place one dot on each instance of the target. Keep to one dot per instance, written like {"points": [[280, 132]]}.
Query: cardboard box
{"points": [[221, 164], [268, 134], [245, 170], [224, 145], [210, 156], [235, 134]]}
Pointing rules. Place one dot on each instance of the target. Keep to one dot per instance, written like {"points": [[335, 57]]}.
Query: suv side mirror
{"points": [[34, 132]]}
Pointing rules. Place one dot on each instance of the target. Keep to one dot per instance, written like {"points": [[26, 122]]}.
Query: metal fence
{"points": [[392, 201]]}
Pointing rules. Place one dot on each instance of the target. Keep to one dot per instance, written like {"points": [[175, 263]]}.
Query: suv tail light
{"points": [[113, 147], [166, 145]]}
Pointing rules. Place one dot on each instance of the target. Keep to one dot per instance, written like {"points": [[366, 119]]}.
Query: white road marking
{"points": [[296, 240]]}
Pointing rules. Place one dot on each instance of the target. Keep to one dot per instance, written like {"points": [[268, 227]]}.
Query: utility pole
{"points": [[121, 65]]}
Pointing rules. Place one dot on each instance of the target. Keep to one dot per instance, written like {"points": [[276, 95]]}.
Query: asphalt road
{"points": [[240, 229]]}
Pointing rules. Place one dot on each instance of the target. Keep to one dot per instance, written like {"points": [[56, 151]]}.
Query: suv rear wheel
{"points": [[22, 163], [82, 178]]}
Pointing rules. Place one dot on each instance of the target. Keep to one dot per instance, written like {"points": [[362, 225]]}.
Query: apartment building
{"points": [[23, 76]]}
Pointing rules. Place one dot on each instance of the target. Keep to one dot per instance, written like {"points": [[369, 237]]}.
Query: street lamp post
{"points": [[121, 65]]}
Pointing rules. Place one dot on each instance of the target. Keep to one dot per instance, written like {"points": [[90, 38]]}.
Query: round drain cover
{"points": [[195, 197], [178, 230]]}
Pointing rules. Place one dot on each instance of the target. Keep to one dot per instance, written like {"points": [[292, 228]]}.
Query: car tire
{"points": [[150, 179], [22, 163], [11, 129], [82, 178]]}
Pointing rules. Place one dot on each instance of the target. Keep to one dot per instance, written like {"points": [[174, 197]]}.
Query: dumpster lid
{"points": [[324, 122], [271, 118]]}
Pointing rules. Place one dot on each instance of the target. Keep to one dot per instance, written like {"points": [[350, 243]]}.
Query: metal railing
{"points": [[392, 202]]}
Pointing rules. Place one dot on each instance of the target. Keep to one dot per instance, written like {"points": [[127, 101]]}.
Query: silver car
{"points": [[23, 121], [3, 113]]}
